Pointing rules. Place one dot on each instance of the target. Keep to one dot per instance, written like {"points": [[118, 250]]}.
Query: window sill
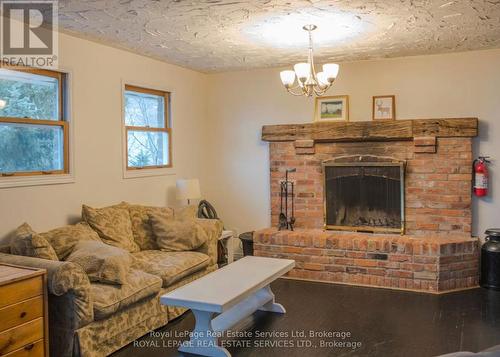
{"points": [[130, 174], [41, 180]]}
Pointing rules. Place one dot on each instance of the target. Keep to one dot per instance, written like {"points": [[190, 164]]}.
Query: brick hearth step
{"points": [[432, 263]]}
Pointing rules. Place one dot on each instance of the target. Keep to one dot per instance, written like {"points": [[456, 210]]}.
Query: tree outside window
{"points": [[147, 128], [33, 132]]}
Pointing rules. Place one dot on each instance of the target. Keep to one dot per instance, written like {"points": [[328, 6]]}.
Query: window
{"points": [[147, 129], [33, 130]]}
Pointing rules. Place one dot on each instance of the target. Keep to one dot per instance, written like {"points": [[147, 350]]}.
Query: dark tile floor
{"points": [[380, 322]]}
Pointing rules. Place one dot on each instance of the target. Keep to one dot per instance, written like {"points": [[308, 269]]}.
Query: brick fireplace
{"points": [[436, 252]]}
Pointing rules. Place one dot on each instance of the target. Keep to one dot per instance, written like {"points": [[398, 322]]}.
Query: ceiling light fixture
{"points": [[309, 82]]}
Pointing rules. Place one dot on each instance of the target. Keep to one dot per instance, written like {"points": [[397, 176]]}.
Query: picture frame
{"points": [[331, 108], [384, 107]]}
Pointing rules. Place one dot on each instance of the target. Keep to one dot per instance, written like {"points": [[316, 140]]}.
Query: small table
{"points": [[234, 293], [226, 254]]}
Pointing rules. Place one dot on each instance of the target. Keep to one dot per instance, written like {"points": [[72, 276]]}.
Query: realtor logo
{"points": [[29, 33]]}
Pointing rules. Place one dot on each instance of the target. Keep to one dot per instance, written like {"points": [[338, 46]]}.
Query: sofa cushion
{"points": [[170, 266], [109, 299], [64, 239], [177, 236], [141, 226], [102, 262], [112, 224], [29, 244]]}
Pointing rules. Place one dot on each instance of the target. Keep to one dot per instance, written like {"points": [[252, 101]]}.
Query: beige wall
{"points": [[97, 72], [454, 85], [217, 124]]}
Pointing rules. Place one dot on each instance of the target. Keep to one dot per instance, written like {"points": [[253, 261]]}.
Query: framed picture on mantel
{"points": [[335, 108], [384, 107]]}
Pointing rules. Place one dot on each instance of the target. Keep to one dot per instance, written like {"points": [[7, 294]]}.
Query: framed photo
{"points": [[335, 108], [384, 107]]}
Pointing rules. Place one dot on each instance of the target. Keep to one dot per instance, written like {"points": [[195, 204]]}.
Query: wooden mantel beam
{"points": [[372, 130]]}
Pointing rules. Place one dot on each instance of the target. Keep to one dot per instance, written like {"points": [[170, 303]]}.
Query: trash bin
{"points": [[247, 241]]}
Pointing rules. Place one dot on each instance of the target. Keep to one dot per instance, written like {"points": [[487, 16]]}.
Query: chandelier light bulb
{"points": [[3, 103], [309, 82]]}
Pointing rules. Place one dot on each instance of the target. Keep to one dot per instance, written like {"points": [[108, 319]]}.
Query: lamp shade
{"points": [[188, 189], [322, 79], [3, 103], [302, 70], [331, 71], [287, 77]]}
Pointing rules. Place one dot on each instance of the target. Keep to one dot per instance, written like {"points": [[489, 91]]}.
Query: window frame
{"points": [[167, 129], [60, 122]]}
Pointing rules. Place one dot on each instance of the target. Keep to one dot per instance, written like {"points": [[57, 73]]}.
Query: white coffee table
{"points": [[233, 293]]}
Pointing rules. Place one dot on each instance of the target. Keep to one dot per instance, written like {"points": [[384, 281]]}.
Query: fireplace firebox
{"points": [[364, 194]]}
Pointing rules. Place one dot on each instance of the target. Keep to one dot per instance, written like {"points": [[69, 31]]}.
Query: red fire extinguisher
{"points": [[480, 176]]}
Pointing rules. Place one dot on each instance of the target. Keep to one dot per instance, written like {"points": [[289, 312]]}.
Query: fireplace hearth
{"points": [[364, 194]]}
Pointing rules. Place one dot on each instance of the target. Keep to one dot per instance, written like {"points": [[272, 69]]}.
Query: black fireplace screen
{"points": [[364, 196]]}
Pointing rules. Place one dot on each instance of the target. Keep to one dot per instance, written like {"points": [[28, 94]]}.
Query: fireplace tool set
{"points": [[286, 191]]}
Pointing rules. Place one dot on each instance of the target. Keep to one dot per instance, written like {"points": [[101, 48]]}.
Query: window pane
{"points": [[26, 95], [147, 148], [145, 110], [25, 148]]}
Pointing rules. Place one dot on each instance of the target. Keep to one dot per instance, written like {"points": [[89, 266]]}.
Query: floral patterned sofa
{"points": [[95, 319]]}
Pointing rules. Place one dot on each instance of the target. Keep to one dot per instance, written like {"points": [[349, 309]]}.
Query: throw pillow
{"points": [[24, 230], [213, 228], [27, 243], [113, 226], [64, 239], [103, 263], [141, 225], [186, 213], [177, 236]]}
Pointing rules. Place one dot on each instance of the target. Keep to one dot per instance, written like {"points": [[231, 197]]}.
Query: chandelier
{"points": [[309, 82]]}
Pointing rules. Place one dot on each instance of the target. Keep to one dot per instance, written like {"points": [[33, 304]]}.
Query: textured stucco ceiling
{"points": [[223, 35]]}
